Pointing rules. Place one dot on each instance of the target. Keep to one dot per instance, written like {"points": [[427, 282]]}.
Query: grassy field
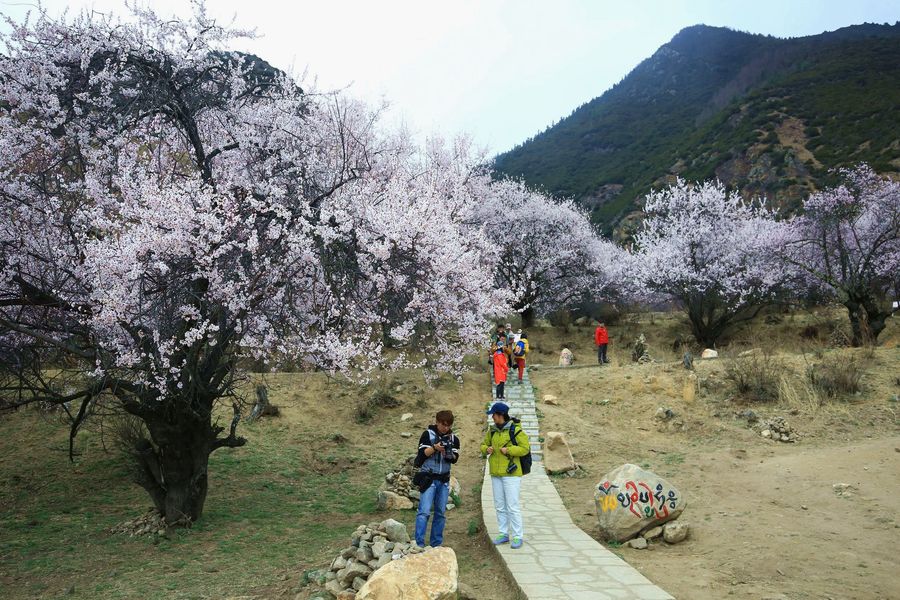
{"points": [[285, 503]]}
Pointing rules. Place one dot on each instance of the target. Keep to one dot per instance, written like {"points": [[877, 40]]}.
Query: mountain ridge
{"points": [[755, 111]]}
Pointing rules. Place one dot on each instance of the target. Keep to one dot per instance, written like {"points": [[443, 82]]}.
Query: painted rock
{"points": [[630, 499]]}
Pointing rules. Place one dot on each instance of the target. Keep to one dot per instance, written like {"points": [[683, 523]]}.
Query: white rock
{"points": [[406, 417], [430, 575], [675, 531], [709, 353], [638, 543], [557, 455]]}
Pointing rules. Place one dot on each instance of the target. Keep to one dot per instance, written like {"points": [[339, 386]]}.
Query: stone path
{"points": [[559, 561]]}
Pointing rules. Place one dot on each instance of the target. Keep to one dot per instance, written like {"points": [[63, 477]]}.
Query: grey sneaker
{"points": [[501, 539], [516, 543]]}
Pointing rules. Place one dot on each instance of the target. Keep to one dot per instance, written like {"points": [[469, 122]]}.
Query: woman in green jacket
{"points": [[505, 460]]}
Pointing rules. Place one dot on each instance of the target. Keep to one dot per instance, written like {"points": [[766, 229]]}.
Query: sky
{"points": [[498, 70]]}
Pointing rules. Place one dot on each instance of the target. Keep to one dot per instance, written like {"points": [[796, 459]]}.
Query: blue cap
{"points": [[498, 408]]}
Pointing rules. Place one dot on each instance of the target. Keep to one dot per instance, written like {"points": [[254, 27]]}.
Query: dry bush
{"points": [[836, 377], [756, 377]]}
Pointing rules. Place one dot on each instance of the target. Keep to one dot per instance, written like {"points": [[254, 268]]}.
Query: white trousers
{"points": [[506, 503]]}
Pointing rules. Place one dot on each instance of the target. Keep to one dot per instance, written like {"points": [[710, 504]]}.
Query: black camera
{"points": [[447, 442], [511, 467]]}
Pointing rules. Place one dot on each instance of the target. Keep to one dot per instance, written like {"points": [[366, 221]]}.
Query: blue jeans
{"points": [[434, 497]]}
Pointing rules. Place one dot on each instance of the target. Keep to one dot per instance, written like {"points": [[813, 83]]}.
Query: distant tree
{"points": [[169, 208], [548, 254], [847, 242], [711, 252]]}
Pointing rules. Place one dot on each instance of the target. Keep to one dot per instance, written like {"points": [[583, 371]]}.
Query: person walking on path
{"points": [[501, 368], [438, 450], [505, 463], [601, 338], [520, 351], [500, 339]]}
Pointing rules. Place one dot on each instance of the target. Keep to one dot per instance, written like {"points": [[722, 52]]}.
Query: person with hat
{"points": [[505, 462]]}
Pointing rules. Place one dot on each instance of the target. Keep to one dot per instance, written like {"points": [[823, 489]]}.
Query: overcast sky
{"points": [[499, 70]]}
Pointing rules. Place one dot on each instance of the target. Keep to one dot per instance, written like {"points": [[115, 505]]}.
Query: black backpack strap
{"points": [[512, 433]]}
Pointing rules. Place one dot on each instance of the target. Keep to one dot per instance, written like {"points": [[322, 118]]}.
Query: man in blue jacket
{"points": [[438, 449]]}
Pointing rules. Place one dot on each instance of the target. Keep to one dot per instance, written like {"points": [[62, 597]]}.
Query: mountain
{"points": [[766, 115]]}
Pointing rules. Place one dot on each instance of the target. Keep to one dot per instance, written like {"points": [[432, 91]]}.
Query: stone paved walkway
{"points": [[559, 561]]}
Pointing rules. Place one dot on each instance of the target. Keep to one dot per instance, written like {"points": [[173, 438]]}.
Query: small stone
{"points": [[396, 531], [379, 548], [709, 353], [637, 543], [406, 417], [358, 582], [406, 434], [652, 534], [465, 592], [551, 400], [766, 433], [675, 531], [338, 563], [334, 587]]}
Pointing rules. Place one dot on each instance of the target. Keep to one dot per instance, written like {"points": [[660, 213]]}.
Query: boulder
{"points": [[388, 500], [630, 499], [675, 531], [709, 353], [557, 456], [396, 531], [551, 400], [430, 575]]}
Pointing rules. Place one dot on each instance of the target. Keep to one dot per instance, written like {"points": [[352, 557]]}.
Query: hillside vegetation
{"points": [[767, 115]]}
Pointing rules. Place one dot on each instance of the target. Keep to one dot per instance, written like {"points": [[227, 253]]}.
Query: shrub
{"points": [[836, 378], [755, 377]]}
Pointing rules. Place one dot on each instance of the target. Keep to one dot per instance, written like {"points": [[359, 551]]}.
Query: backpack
{"points": [[520, 348], [525, 460]]}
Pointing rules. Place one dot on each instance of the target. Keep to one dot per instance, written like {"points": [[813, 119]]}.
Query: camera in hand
{"points": [[446, 441]]}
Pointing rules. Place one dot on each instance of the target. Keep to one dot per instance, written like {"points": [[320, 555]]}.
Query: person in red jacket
{"points": [[501, 368], [601, 338]]}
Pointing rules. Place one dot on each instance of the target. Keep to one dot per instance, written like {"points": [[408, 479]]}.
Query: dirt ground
{"points": [[765, 519]]}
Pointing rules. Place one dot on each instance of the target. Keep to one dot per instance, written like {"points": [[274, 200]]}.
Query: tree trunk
{"points": [[528, 317], [867, 320], [173, 469]]}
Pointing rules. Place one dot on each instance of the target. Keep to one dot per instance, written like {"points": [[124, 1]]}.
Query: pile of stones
{"points": [[671, 532], [777, 429], [639, 353], [150, 523], [371, 547], [399, 493]]}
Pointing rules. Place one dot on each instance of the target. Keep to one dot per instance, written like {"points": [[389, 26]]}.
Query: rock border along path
{"points": [[559, 561]]}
